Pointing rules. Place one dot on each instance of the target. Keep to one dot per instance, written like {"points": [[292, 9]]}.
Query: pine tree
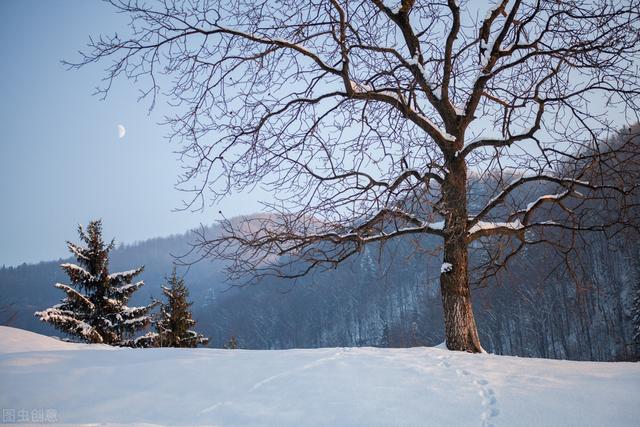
{"points": [[175, 322], [384, 337], [95, 309]]}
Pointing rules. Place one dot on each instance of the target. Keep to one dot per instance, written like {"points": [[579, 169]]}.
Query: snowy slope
{"points": [[321, 387]]}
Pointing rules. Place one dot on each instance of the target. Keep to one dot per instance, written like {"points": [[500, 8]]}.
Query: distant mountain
{"points": [[29, 287], [390, 297], [385, 296]]}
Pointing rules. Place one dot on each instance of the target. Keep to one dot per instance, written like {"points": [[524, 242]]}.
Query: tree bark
{"points": [[460, 325]]}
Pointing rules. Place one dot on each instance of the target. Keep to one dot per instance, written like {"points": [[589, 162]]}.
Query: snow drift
{"points": [[80, 383]]}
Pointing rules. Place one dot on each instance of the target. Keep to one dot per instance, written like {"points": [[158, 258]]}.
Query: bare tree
{"points": [[370, 121]]}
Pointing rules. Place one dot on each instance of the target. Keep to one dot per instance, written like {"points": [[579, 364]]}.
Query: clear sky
{"points": [[61, 161]]}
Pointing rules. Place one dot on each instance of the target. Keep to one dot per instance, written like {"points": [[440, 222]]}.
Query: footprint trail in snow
{"points": [[488, 396]]}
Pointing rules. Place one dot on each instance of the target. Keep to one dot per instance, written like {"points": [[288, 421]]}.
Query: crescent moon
{"points": [[121, 131]]}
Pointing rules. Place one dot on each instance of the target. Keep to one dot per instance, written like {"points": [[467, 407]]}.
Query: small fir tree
{"points": [[95, 309], [232, 344], [174, 326]]}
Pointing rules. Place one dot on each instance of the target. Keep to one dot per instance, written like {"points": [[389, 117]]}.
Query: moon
{"points": [[121, 131]]}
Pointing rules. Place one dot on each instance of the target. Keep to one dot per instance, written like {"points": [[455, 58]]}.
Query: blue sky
{"points": [[61, 162]]}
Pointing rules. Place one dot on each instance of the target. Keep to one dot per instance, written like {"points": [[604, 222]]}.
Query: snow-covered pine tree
{"points": [[95, 309], [175, 322]]}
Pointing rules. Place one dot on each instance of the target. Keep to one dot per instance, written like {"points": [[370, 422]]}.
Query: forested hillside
{"points": [[385, 296]]}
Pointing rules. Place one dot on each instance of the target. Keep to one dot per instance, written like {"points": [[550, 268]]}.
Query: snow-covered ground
{"points": [[45, 380]]}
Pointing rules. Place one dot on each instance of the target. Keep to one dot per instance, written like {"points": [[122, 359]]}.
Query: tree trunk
{"points": [[460, 325]]}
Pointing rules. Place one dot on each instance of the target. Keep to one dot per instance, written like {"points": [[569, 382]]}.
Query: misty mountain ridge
{"points": [[385, 296]]}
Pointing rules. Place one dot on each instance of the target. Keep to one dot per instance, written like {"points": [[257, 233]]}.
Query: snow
{"points": [[360, 87], [488, 47], [137, 320], [77, 251], [546, 197], [58, 316], [77, 269], [20, 341], [443, 134], [74, 294], [130, 287], [124, 274], [438, 225], [446, 267], [312, 387], [492, 9], [364, 88], [490, 225], [415, 61], [395, 9], [132, 310], [508, 47], [486, 55]]}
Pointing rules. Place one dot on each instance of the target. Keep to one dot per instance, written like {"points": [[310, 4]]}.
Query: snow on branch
{"points": [[147, 340], [128, 274], [128, 289], [77, 273], [123, 277], [547, 177], [415, 61], [546, 197], [487, 228], [136, 315], [446, 267], [137, 321], [77, 251], [72, 325], [75, 296]]}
